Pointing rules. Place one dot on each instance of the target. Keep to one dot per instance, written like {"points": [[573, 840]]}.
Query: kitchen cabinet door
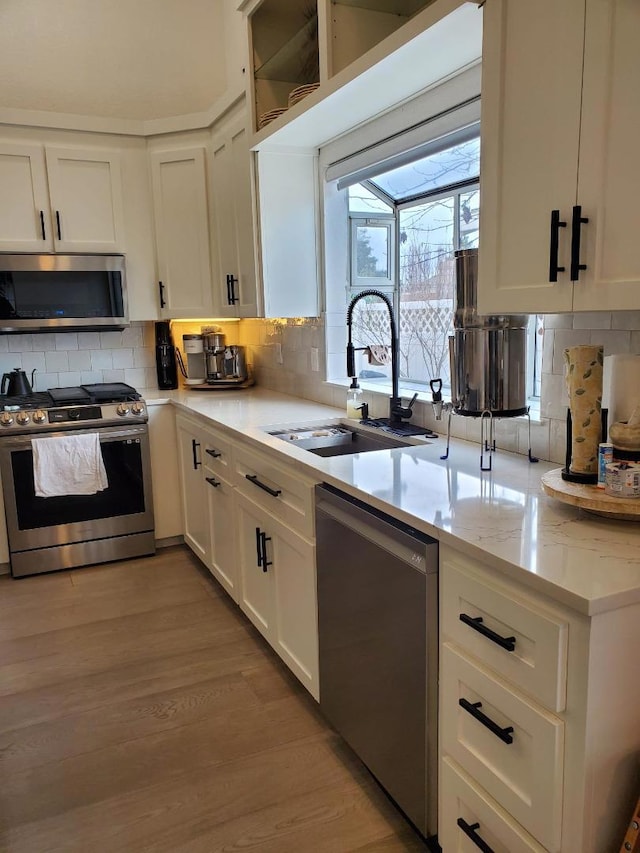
{"points": [[24, 199], [531, 92], [235, 272], [609, 177], [86, 200], [278, 591], [192, 483], [222, 528], [182, 232]]}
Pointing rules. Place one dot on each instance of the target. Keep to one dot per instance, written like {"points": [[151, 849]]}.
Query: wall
{"points": [[281, 354], [72, 358]]}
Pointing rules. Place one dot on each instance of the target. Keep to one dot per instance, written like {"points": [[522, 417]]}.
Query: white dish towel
{"points": [[68, 465]]}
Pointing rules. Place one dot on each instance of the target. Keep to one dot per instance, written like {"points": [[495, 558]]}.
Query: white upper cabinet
{"points": [[558, 219], [182, 232], [71, 204], [234, 276], [288, 216]]}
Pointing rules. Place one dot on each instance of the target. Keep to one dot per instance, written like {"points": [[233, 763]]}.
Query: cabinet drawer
{"points": [[536, 664], [479, 714], [285, 495], [216, 454], [465, 809]]}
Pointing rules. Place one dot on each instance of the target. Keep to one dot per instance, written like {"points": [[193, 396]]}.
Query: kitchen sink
{"points": [[338, 440]]}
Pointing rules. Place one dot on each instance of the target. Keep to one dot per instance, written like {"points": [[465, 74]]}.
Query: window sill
{"points": [[406, 392]]}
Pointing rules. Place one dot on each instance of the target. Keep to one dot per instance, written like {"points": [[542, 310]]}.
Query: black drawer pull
{"points": [[476, 622], [214, 453], [265, 563], [476, 713], [470, 830], [256, 482], [577, 220], [194, 449], [213, 482], [258, 548], [556, 225]]}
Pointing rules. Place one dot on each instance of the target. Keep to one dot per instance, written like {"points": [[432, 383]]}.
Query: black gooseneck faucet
{"points": [[397, 412]]}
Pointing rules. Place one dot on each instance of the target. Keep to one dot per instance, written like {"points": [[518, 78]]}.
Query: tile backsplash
{"points": [[62, 359]]}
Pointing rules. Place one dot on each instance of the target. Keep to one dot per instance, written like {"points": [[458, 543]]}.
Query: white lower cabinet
{"points": [[192, 485], [220, 508], [538, 717], [278, 589], [512, 747], [469, 818], [167, 503]]}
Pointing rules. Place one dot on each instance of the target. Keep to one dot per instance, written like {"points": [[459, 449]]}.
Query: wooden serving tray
{"points": [[590, 498]]}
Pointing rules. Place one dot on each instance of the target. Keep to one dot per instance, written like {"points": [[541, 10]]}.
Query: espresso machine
{"points": [[225, 365]]}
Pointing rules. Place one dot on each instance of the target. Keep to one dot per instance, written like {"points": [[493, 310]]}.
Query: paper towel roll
{"points": [[621, 386]]}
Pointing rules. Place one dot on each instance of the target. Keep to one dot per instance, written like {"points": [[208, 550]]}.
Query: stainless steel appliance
{"points": [[225, 364], [487, 353], [487, 356], [46, 534], [378, 636], [44, 292]]}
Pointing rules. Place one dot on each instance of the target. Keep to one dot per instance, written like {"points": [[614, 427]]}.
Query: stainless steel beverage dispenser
{"points": [[488, 358]]}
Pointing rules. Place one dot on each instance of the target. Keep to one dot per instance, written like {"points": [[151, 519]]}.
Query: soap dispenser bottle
{"points": [[354, 400]]}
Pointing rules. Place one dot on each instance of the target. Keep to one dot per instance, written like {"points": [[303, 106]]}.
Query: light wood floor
{"points": [[140, 711]]}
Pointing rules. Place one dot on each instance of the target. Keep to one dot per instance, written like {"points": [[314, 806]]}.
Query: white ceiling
{"points": [[127, 59]]}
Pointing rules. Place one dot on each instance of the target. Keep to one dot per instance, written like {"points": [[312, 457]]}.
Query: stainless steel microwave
{"points": [[39, 293]]}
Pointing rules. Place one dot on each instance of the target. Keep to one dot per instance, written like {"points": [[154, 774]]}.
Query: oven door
{"points": [[125, 507]]}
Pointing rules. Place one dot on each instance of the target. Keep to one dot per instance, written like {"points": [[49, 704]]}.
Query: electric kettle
{"points": [[16, 384]]}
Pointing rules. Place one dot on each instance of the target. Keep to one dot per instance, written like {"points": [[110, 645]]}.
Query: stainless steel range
{"points": [[69, 530]]}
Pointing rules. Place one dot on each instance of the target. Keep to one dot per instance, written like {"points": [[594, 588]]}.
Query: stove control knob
{"points": [[6, 419], [23, 418], [122, 409], [39, 416], [137, 409]]}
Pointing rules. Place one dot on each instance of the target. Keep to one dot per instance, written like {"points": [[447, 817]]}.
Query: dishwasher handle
{"points": [[399, 545]]}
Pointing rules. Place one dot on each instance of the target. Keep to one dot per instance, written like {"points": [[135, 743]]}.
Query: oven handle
{"points": [[113, 433]]}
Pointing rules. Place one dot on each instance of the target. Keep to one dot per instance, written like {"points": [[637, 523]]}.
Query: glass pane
{"points": [[469, 219], [458, 163], [124, 496], [427, 289], [372, 251], [44, 295], [362, 200]]}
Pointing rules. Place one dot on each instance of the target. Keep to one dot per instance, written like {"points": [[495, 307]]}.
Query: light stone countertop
{"points": [[501, 517]]}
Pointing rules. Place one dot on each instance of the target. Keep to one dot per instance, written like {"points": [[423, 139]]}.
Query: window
{"points": [[424, 210]]}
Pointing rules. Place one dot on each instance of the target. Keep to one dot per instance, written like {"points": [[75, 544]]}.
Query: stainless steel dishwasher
{"points": [[378, 636]]}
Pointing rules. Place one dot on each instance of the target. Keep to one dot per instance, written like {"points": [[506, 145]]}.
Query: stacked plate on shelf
{"points": [[301, 92], [269, 116]]}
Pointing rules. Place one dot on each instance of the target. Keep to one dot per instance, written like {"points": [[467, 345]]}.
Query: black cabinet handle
{"points": [[256, 482], [470, 830], [477, 623], [556, 225], [213, 452], [474, 710], [212, 482], [194, 449], [264, 539], [577, 220], [58, 225], [44, 233], [162, 299], [231, 289], [259, 547]]}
